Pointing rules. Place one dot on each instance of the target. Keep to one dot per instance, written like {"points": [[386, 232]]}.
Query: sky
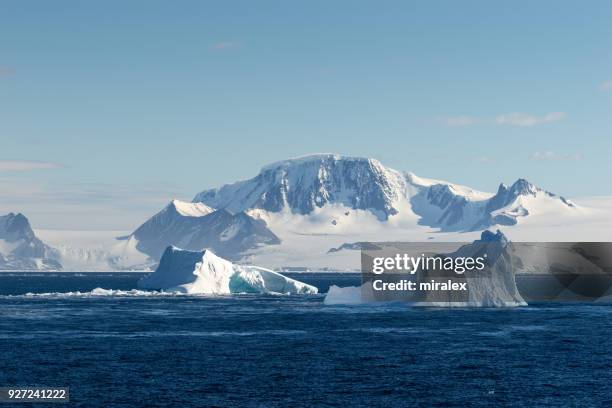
{"points": [[108, 110]]}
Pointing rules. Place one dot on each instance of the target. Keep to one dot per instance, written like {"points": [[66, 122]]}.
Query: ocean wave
{"points": [[66, 334], [98, 292], [101, 292]]}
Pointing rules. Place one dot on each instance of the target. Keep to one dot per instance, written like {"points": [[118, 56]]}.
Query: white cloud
{"points": [[526, 119], [552, 156], [606, 86], [459, 121], [27, 165], [224, 45]]}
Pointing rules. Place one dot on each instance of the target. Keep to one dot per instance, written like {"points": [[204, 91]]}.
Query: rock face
{"points": [[202, 272], [194, 226], [20, 249]]}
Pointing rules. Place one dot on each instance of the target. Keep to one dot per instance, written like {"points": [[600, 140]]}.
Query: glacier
{"points": [[493, 287], [203, 272]]}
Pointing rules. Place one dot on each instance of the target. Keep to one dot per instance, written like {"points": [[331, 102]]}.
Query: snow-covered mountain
{"points": [[520, 200], [20, 249], [315, 211], [194, 226], [452, 208], [303, 185]]}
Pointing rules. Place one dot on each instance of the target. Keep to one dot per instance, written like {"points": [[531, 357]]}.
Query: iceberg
{"points": [[494, 286], [203, 272]]}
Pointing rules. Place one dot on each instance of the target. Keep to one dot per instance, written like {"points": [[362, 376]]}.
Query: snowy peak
{"points": [[195, 226], [523, 187], [520, 200], [303, 184], [187, 209], [14, 227], [20, 249], [174, 211], [506, 195]]}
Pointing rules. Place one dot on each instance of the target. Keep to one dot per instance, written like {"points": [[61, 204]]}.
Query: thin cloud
{"points": [[459, 121], [120, 207], [224, 45], [552, 156], [506, 119], [27, 165], [527, 120], [606, 86]]}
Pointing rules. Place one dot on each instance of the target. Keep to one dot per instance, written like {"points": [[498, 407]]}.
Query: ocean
{"points": [[115, 346]]}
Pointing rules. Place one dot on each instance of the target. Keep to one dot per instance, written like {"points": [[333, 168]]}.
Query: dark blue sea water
{"points": [[120, 349]]}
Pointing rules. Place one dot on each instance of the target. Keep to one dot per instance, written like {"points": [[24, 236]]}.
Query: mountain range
{"points": [[330, 195], [305, 184], [312, 211]]}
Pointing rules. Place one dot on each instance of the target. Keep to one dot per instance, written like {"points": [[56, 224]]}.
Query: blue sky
{"points": [[116, 107]]}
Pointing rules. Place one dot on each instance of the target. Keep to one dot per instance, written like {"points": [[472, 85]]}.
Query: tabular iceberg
{"points": [[203, 272]]}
